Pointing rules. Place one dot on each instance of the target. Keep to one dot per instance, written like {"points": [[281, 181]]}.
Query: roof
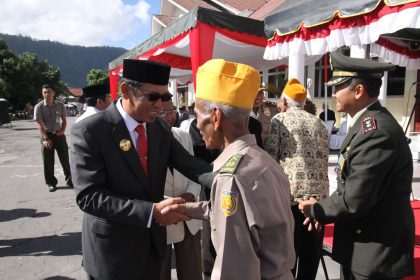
{"points": [[166, 20], [295, 14], [76, 92], [189, 21]]}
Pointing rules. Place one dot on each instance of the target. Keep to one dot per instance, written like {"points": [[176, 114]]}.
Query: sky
{"points": [[116, 23]]}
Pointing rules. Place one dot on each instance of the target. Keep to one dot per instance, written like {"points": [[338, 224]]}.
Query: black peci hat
{"points": [[97, 90], [344, 68], [145, 71]]}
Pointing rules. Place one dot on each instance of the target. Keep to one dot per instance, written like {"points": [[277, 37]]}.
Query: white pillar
{"points": [[384, 87], [173, 91], [358, 51], [297, 67], [265, 81], [311, 75]]}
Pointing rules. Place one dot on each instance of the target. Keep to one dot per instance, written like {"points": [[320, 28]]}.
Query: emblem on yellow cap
{"points": [[125, 145]]}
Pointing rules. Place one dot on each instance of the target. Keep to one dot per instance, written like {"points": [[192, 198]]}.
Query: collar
{"points": [[129, 121], [358, 114], [234, 148]]}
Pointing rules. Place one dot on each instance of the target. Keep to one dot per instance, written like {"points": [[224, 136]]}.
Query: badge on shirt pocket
{"points": [[229, 202]]}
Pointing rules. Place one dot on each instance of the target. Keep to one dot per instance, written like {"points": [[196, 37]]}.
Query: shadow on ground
{"points": [[14, 214], [52, 245]]}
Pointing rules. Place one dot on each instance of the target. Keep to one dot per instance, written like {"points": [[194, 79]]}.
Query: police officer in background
{"points": [[263, 111], [50, 115], [374, 224], [250, 216], [97, 99]]}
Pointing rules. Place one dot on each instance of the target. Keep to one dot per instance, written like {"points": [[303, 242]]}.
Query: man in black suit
{"points": [[119, 157], [374, 224]]}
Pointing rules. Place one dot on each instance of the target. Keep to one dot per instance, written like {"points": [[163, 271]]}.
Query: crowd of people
{"points": [[240, 189]]}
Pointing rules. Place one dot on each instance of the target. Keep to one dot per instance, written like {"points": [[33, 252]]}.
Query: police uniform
{"points": [[250, 216], [265, 113], [50, 117], [374, 224], [251, 221]]}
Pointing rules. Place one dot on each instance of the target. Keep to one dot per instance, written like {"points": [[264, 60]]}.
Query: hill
{"points": [[74, 62]]}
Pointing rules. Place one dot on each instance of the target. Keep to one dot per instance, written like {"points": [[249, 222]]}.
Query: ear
{"points": [[125, 88], [217, 119], [360, 91]]}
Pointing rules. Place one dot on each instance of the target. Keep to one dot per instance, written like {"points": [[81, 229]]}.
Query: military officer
{"points": [[374, 225], [251, 221], [263, 111]]}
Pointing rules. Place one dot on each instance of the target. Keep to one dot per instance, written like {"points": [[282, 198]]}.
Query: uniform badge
{"points": [[267, 112], [368, 124], [229, 202], [231, 165], [125, 145]]}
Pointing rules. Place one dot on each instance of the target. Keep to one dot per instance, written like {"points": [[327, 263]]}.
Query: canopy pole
{"points": [[325, 88], [201, 46]]}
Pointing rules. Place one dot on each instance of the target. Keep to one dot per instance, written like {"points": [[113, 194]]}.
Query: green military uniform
{"points": [[265, 113], [374, 224], [250, 216]]}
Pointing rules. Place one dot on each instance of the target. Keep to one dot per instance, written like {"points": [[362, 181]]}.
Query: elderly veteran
{"points": [[298, 141], [374, 225], [249, 209], [119, 158], [97, 99]]}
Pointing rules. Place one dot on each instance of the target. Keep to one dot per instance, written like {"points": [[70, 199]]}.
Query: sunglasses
{"points": [[154, 96]]}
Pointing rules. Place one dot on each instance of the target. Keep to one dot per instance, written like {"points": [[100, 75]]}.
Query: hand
{"points": [[165, 218], [318, 226], [59, 132], [188, 197], [47, 143], [305, 206]]}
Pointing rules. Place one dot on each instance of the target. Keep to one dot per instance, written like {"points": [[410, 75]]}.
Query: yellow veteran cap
{"points": [[294, 90], [228, 83]]}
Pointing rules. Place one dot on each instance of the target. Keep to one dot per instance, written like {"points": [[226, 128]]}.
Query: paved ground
{"points": [[39, 230]]}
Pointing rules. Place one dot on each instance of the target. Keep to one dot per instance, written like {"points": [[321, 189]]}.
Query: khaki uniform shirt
{"points": [[264, 115], [250, 216], [298, 140], [50, 115]]}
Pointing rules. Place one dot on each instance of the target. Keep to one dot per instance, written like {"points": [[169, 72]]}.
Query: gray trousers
{"points": [[187, 256]]}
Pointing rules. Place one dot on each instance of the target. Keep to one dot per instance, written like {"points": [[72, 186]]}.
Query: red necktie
{"points": [[142, 147]]}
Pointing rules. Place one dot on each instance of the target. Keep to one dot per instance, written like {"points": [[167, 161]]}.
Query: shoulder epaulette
{"points": [[368, 124], [231, 165]]}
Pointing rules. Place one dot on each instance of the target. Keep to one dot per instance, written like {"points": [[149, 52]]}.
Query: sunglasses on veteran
{"points": [[155, 96]]}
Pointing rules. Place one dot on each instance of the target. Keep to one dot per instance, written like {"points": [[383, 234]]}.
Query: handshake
{"points": [[172, 210]]}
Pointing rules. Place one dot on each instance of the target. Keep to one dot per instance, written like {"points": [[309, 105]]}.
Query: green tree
{"points": [[21, 77], [95, 76]]}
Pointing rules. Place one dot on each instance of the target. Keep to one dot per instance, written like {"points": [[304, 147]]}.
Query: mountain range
{"points": [[74, 62]]}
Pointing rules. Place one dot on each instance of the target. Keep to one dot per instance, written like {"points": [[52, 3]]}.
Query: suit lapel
{"points": [[120, 133]]}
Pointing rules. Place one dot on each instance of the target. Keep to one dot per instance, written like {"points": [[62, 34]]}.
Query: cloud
{"points": [[75, 22]]}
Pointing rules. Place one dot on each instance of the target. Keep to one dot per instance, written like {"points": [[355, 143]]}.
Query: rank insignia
{"points": [[267, 112], [229, 202], [125, 145], [368, 124], [231, 165]]}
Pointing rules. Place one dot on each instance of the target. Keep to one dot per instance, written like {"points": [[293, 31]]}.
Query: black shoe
{"points": [[52, 188]]}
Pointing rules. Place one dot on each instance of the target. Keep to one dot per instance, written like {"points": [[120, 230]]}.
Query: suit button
{"points": [[358, 231]]}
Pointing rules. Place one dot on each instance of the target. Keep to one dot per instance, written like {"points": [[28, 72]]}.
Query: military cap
{"points": [[96, 90], [145, 71], [229, 83], [344, 68]]}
